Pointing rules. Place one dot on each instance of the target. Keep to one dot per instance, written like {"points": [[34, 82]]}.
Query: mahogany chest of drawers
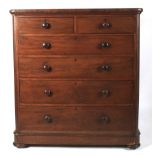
{"points": [[76, 77]]}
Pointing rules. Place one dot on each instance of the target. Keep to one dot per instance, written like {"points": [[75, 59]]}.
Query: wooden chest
{"points": [[76, 77]]}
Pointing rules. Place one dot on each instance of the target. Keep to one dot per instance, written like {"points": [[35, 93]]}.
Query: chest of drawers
{"points": [[76, 77]]}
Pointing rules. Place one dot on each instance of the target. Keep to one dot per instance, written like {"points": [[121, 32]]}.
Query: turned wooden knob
{"points": [[105, 45], [104, 119], [45, 25], [46, 45], [105, 92], [106, 25], [105, 68], [47, 68], [48, 92], [47, 118]]}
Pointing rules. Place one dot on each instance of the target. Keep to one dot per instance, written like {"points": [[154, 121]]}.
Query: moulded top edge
{"points": [[75, 11]]}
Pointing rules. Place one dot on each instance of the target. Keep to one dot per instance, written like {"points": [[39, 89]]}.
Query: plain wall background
{"points": [[7, 78]]}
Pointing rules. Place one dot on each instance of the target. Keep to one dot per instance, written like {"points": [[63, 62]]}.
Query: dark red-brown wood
{"points": [[76, 77], [90, 67], [106, 24], [76, 92], [36, 25], [65, 119], [77, 44], [70, 12]]}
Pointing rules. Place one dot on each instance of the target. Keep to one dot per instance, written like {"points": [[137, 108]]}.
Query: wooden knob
{"points": [[45, 25], [47, 118], [104, 119], [106, 25], [105, 45], [47, 68], [105, 92], [46, 45], [105, 68], [48, 92]]}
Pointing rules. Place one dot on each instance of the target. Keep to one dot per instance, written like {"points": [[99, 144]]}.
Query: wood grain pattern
{"points": [[77, 67], [77, 44], [76, 92], [34, 25], [118, 24], [72, 119]]}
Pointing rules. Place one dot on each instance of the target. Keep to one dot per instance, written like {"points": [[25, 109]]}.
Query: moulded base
{"points": [[23, 140]]}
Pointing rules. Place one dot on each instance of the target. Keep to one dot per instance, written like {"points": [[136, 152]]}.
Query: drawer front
{"points": [[110, 68], [45, 25], [90, 44], [76, 92], [76, 119], [106, 24]]}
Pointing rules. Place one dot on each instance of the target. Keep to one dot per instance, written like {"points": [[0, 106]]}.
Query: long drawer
{"points": [[67, 119], [108, 68], [77, 44], [76, 92]]}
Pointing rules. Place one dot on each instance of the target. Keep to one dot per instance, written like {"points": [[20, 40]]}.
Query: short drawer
{"points": [[78, 44], [76, 119], [89, 67], [32, 25], [106, 24], [76, 92]]}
